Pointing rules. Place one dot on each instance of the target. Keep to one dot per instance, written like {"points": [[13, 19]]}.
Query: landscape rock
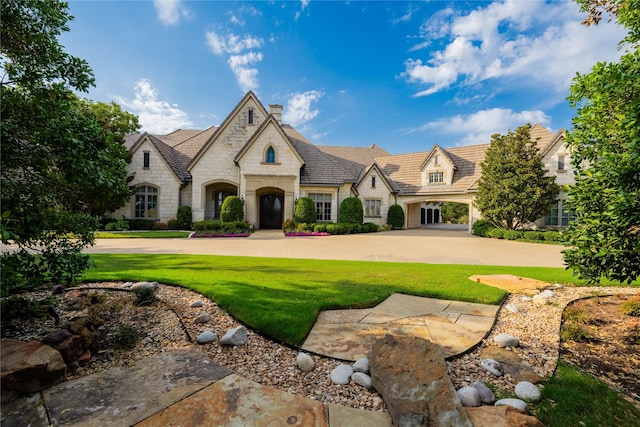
{"points": [[196, 303], [127, 285], [141, 285], [501, 416], [528, 392], [85, 326], [506, 340], [512, 308], [361, 379], [493, 367], [206, 337], [57, 289], [305, 362], [202, 318], [30, 366], [512, 364], [544, 297], [516, 403], [486, 395], [361, 365], [56, 337], [469, 396], [71, 348], [411, 375], [341, 375], [526, 299], [235, 336]]}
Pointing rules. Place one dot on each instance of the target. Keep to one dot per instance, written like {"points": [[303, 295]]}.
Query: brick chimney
{"points": [[276, 111]]}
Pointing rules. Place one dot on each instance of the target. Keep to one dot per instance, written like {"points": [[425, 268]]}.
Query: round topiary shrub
{"points": [[305, 211], [232, 209], [395, 217], [351, 211]]}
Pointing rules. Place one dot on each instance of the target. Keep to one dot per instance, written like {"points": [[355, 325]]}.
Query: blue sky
{"points": [[403, 75]]}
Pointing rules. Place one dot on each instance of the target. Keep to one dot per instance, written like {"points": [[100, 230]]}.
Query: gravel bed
{"points": [[169, 324]]}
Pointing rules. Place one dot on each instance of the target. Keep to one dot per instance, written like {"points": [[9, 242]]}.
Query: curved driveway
{"points": [[428, 245]]}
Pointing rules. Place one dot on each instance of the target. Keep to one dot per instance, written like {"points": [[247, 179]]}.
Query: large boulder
{"points": [[410, 374], [30, 366]]}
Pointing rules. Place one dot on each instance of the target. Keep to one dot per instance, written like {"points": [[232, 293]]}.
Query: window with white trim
{"points": [[323, 206], [372, 207], [146, 202], [436, 177]]}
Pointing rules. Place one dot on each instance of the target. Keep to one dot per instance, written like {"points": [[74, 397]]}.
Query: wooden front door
{"points": [[271, 211]]}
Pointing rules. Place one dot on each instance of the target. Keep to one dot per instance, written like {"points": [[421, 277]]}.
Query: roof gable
{"points": [[269, 122], [438, 151], [166, 153], [386, 179]]}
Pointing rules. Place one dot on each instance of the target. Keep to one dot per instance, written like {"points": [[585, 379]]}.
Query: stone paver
{"points": [[349, 334], [510, 283]]}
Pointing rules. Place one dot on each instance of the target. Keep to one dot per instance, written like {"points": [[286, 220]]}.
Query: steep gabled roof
{"points": [[166, 153], [559, 136], [319, 168], [386, 179], [220, 130], [270, 121], [437, 149]]}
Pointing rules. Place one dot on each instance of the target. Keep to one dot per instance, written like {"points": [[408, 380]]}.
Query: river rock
{"points": [[196, 303], [206, 337], [528, 392], [202, 318], [516, 403], [512, 308], [469, 396], [493, 367], [341, 375], [235, 336], [361, 365], [506, 340], [144, 285], [305, 362], [361, 379], [486, 395]]}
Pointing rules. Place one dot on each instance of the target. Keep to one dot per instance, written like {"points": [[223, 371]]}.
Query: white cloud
{"points": [[170, 11], [156, 116], [522, 41], [299, 107], [241, 56], [478, 127]]}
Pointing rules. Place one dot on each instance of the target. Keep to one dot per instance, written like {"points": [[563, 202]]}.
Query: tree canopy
{"points": [[514, 189], [62, 157], [604, 239]]}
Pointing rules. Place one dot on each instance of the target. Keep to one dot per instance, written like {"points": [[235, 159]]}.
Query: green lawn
{"points": [[282, 297], [141, 234], [574, 398]]}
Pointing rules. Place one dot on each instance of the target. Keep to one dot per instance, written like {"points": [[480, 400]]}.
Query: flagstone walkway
{"points": [[349, 334]]}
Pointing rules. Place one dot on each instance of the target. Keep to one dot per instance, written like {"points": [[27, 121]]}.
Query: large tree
{"points": [[604, 239], [60, 164], [514, 189]]}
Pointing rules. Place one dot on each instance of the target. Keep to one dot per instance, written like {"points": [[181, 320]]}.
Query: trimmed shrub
{"points": [[305, 211], [207, 225], [369, 227], [119, 225], [552, 236], [232, 209], [336, 229], [161, 226], [496, 233], [288, 225], [351, 211], [481, 227], [184, 218], [395, 217], [512, 234], [172, 224], [141, 224], [534, 235], [320, 228]]}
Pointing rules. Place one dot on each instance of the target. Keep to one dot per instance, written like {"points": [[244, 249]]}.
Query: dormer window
{"points": [[250, 117], [270, 156], [436, 177]]}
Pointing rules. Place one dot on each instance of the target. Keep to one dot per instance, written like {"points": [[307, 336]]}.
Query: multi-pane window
{"points": [[372, 207], [271, 155], [146, 202], [559, 216], [145, 159], [323, 206], [436, 177]]}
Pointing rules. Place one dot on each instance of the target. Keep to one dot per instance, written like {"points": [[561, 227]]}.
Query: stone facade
{"points": [[270, 165]]}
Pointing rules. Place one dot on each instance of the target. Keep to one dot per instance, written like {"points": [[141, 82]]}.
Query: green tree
{"points": [[59, 166], [305, 212], [604, 239], [514, 189], [454, 213], [114, 120], [351, 211], [395, 217], [232, 209]]}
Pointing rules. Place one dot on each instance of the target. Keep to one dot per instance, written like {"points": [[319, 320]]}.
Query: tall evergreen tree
{"points": [[604, 239], [514, 189]]}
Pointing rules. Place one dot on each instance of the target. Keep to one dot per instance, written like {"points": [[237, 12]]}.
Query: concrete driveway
{"points": [[427, 245]]}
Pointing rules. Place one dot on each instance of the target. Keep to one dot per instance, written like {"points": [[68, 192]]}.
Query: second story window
{"points": [[561, 162], [373, 182], [250, 117], [145, 159], [271, 155], [435, 177]]}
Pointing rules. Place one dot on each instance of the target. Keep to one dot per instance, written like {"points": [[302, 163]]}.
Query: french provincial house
{"points": [[269, 165]]}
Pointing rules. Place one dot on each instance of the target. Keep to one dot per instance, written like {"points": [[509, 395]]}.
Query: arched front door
{"points": [[271, 208]]}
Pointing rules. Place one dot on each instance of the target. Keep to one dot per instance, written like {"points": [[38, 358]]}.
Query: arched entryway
{"points": [[271, 202], [215, 195]]}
